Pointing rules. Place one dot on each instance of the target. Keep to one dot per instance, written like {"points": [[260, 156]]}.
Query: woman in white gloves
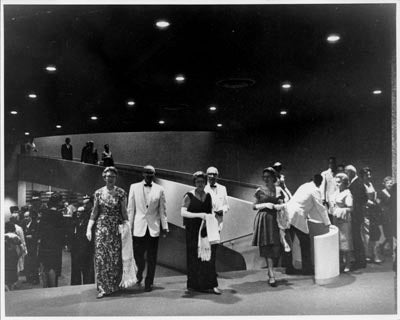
{"points": [[109, 211], [266, 230], [341, 212], [201, 274]]}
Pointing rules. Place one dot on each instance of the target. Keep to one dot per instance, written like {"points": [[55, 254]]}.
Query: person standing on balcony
{"points": [[66, 150], [107, 157]]}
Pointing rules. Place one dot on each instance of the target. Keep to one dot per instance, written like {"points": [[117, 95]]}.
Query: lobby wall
{"points": [[364, 139]]}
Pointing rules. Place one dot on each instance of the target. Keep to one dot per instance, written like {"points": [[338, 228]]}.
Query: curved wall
{"points": [[364, 139]]}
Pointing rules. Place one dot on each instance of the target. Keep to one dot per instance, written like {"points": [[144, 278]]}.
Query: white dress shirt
{"points": [[219, 197]]}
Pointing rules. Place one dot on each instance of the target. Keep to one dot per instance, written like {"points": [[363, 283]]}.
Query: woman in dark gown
{"points": [[266, 230], [201, 275], [109, 211]]}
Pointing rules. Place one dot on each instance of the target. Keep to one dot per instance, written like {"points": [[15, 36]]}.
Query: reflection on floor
{"points": [[65, 278], [369, 291]]}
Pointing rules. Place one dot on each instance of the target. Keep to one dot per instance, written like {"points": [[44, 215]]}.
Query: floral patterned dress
{"points": [[108, 260]]}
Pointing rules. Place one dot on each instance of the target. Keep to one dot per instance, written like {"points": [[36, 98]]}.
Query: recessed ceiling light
{"points": [[58, 126], [180, 78], [286, 85], [332, 38], [219, 125], [213, 108], [377, 91], [14, 112], [131, 103], [162, 24], [32, 96], [93, 118], [161, 122], [51, 68], [27, 133], [283, 112]]}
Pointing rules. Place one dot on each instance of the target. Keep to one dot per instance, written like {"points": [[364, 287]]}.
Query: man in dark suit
{"points": [[29, 227], [82, 250], [360, 199], [66, 150]]}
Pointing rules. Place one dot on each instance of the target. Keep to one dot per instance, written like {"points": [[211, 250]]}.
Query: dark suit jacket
{"points": [[360, 199], [66, 153], [31, 242]]}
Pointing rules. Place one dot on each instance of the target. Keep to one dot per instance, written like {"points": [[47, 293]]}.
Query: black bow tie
{"points": [[214, 186], [148, 184]]}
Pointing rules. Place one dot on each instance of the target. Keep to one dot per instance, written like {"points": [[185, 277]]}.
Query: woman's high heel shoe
{"points": [[272, 282], [216, 291]]}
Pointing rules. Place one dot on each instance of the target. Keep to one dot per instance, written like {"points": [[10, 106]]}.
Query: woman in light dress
{"points": [[341, 212]]}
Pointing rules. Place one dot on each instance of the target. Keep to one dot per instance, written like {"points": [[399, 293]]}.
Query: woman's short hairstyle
{"points": [[272, 172], [343, 178], [110, 169], [363, 172], [388, 178], [199, 174]]}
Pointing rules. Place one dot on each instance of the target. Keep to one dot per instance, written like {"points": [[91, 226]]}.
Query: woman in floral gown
{"points": [[109, 211]]}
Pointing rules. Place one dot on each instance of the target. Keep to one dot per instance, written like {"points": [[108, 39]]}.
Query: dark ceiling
{"points": [[105, 55]]}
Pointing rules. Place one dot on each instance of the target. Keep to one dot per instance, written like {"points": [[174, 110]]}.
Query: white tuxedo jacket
{"points": [[150, 213], [307, 203]]}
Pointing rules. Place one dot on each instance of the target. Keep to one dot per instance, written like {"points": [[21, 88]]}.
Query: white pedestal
{"points": [[326, 256]]}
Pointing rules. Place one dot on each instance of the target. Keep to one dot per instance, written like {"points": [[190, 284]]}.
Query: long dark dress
{"points": [[201, 275], [108, 260], [266, 230]]}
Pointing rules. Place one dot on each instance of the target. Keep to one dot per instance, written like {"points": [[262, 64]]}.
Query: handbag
{"points": [[203, 247]]}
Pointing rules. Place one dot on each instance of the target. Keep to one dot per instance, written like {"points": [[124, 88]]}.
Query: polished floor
{"points": [[367, 292]]}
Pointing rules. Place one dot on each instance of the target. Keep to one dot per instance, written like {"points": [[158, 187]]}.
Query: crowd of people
{"points": [[44, 230], [114, 230]]}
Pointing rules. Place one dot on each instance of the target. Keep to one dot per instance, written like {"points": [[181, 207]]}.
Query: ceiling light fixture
{"points": [[14, 112], [32, 96], [131, 103], [27, 133], [283, 112], [377, 91], [286, 85], [58, 126], [162, 24], [93, 118], [161, 122], [219, 125], [51, 68], [332, 38], [213, 108], [180, 78]]}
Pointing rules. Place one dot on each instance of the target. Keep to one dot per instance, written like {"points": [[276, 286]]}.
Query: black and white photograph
{"points": [[180, 159]]}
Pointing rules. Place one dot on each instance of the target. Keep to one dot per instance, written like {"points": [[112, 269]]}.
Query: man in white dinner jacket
{"points": [[147, 216], [218, 194]]}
